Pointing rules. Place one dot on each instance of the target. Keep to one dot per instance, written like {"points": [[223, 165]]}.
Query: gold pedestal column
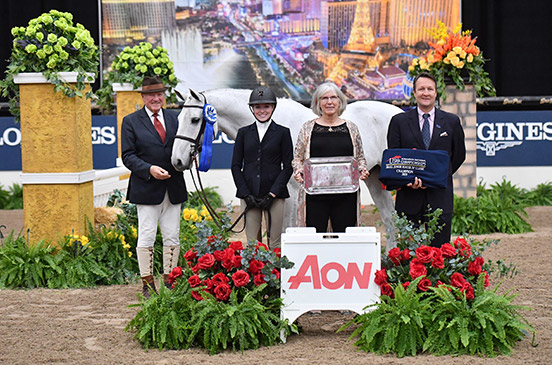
{"points": [[129, 100], [56, 154]]}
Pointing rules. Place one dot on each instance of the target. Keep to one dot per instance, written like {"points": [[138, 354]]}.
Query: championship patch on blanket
{"points": [[399, 167]]}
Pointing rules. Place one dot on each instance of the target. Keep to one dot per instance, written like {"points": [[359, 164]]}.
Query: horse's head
{"points": [[191, 128]]}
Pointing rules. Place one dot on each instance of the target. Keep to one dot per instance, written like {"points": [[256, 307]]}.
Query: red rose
{"points": [[406, 285], [424, 284], [255, 266], [276, 272], [236, 245], [425, 254], [465, 250], [194, 281], [209, 284], [278, 252], [259, 279], [236, 261], [219, 255], [175, 273], [206, 261], [475, 266], [219, 279], [467, 289], [228, 263], [459, 241], [222, 292], [381, 277], [487, 282], [195, 268], [197, 295], [190, 255], [448, 250], [228, 260], [457, 280], [386, 289], [260, 244], [394, 255], [417, 270], [405, 254], [240, 278], [438, 261]]}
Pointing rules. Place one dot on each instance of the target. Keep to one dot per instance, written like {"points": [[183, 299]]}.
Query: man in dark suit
{"points": [[156, 188], [261, 168], [426, 127]]}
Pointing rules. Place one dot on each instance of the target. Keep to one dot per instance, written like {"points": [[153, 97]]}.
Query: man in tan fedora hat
{"points": [[157, 189]]}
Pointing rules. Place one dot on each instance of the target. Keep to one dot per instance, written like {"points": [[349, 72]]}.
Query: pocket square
{"points": [[444, 134]]}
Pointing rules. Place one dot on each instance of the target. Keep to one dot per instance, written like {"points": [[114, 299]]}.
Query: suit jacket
{"points": [[448, 135], [141, 147], [262, 167]]}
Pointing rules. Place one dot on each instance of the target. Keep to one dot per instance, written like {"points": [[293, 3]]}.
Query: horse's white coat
{"points": [[371, 117]]}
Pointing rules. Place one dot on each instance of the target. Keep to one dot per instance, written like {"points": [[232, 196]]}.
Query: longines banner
{"points": [[104, 145], [503, 139], [511, 138]]}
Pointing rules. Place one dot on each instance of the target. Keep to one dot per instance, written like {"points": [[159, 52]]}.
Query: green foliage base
{"points": [[174, 320], [441, 322]]}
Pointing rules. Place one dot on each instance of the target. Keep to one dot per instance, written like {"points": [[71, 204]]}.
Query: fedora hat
{"points": [[152, 85]]}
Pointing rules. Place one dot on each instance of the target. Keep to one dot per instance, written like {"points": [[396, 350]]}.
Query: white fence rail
{"points": [[107, 181]]}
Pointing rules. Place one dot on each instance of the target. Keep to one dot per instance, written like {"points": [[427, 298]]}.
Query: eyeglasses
{"points": [[325, 99]]}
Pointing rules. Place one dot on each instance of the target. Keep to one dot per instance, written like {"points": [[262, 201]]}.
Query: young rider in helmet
{"points": [[261, 168]]}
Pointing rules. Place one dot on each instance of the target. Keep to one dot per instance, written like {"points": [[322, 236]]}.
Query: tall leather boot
{"points": [[170, 261], [145, 264]]}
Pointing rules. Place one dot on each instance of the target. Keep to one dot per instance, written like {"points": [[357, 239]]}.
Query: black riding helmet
{"points": [[262, 95]]}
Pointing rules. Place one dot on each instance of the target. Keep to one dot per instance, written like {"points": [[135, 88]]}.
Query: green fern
{"points": [[395, 325], [243, 325], [489, 325], [27, 266], [163, 320]]}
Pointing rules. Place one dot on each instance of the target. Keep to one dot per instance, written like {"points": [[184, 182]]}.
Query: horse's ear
{"points": [[194, 95]]}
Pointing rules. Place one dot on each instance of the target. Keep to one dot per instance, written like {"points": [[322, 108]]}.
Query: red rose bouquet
{"points": [[456, 264], [219, 267]]}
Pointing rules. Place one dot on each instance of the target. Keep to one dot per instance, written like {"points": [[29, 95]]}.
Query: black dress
{"points": [[341, 209]]}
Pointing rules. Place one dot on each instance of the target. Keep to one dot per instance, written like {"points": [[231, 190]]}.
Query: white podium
{"points": [[332, 271]]}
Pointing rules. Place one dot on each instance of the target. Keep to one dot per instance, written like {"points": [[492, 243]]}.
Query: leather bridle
{"points": [[196, 145]]}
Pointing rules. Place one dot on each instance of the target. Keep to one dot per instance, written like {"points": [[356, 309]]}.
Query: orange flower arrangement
{"points": [[453, 54]]}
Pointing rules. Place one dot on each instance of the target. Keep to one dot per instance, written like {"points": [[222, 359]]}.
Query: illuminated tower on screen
{"points": [[362, 37]]}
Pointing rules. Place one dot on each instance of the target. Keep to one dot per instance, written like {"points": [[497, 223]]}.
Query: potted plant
{"points": [[51, 45], [132, 65], [454, 56]]}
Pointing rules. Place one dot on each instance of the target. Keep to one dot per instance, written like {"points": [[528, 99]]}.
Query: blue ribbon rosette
{"points": [[210, 116]]}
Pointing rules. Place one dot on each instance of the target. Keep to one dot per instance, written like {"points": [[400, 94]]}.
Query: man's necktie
{"points": [[426, 135], [159, 127]]}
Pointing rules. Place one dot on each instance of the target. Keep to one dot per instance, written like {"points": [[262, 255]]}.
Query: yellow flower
{"points": [[457, 50], [446, 60], [410, 68], [415, 62], [469, 58], [129, 254], [84, 240], [186, 214], [195, 217], [134, 232], [110, 234], [458, 28]]}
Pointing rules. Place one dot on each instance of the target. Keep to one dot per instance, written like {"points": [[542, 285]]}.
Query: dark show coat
{"points": [[141, 147], [448, 135], [259, 168]]}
